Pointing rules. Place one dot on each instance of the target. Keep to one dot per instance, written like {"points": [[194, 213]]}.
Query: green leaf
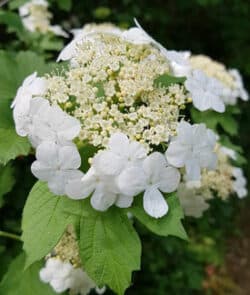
{"points": [[167, 80], [7, 181], [45, 218], [110, 248], [6, 119], [12, 20], [14, 69], [170, 224], [12, 145], [213, 119], [19, 282]]}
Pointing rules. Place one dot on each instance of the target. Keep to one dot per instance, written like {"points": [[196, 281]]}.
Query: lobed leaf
{"points": [[45, 218], [110, 248]]}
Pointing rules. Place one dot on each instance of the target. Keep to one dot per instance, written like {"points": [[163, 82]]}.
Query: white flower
{"points": [[63, 276], [179, 63], [32, 86], [239, 184], [239, 91], [206, 92], [154, 177], [121, 153], [24, 119], [192, 148], [192, 203], [56, 165], [53, 124], [103, 189], [36, 18]]}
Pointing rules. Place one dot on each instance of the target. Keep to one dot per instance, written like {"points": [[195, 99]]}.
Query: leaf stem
{"points": [[10, 235]]}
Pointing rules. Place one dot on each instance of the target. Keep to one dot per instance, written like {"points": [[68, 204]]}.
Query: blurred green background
{"points": [[220, 29]]}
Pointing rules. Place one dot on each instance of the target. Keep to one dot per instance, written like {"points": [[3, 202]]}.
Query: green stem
{"points": [[10, 235]]}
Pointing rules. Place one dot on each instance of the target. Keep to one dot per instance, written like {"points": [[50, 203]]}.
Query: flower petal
{"points": [[102, 199], [132, 181], [124, 201], [154, 203], [169, 179]]}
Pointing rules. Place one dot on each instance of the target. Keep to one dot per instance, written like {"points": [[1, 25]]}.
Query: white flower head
{"points": [[206, 92], [240, 182], [192, 148], [57, 165], [36, 18], [63, 276]]}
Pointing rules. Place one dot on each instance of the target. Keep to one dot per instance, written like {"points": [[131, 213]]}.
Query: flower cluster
{"points": [[113, 97], [224, 181], [51, 131], [212, 86], [123, 171], [36, 18], [112, 83], [63, 269]]}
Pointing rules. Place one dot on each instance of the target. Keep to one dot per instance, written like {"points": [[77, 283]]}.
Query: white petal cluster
{"points": [[51, 131], [230, 81], [57, 165], [239, 183], [192, 148], [206, 92], [32, 87], [123, 171], [62, 276], [36, 18]]}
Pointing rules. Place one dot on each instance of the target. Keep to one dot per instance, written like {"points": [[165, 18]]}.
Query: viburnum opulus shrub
{"points": [[122, 129]]}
